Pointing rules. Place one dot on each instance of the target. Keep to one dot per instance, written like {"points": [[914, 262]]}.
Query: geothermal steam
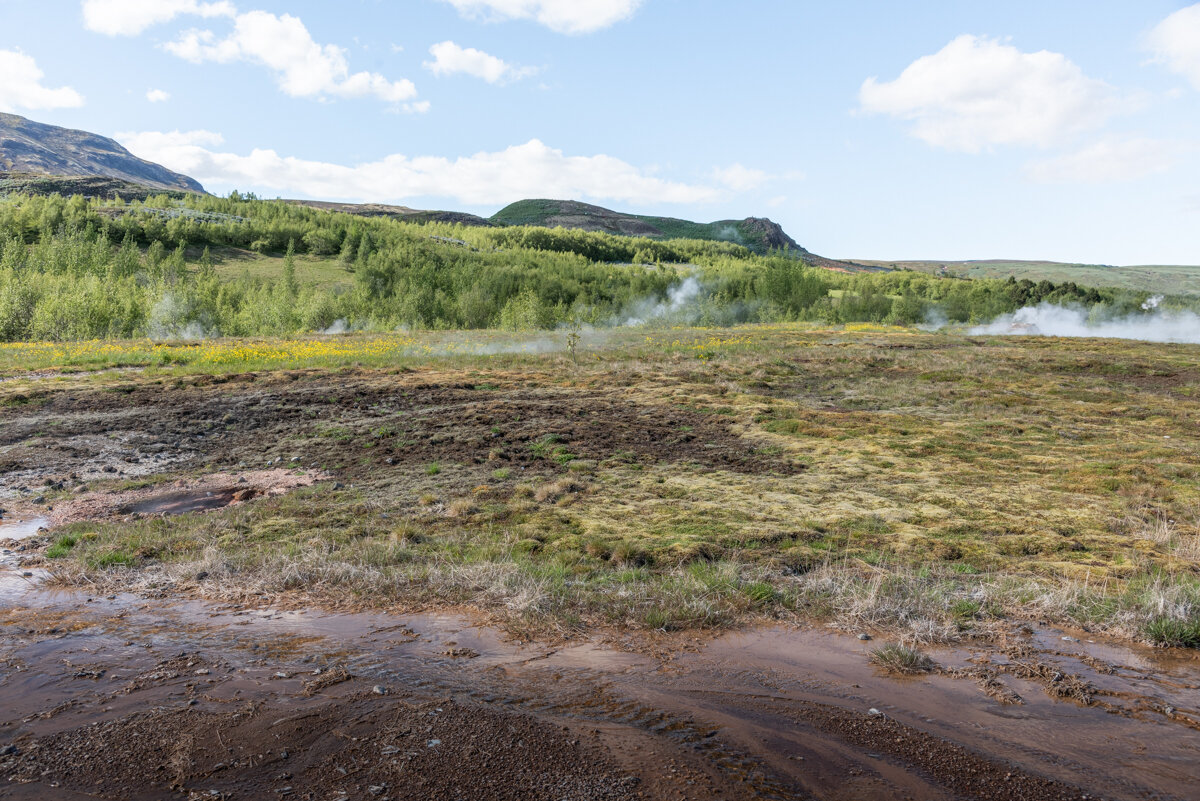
{"points": [[1157, 325]]}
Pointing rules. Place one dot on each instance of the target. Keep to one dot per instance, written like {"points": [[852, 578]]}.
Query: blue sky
{"points": [[943, 130]]}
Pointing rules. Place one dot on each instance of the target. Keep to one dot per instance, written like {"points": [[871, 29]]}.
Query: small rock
{"points": [[864, 637], [432, 743], [9, 750], [1070, 639], [379, 689], [202, 672], [873, 711]]}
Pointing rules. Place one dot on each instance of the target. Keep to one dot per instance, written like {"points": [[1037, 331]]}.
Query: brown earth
{"points": [[116, 698], [360, 425]]}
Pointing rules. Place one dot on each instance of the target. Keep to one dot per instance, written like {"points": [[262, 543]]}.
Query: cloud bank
{"points": [[282, 44], [561, 16], [132, 17], [21, 85], [1175, 43], [450, 59], [976, 93], [529, 170]]}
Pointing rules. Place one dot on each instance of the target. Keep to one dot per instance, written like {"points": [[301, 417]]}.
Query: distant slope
{"points": [[90, 186], [1165, 279], [33, 147], [756, 233], [402, 213]]}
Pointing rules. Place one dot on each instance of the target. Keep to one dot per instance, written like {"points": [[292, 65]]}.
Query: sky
{"points": [[934, 129]]}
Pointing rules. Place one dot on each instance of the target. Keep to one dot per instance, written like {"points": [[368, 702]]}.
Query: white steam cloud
{"points": [[1159, 325], [681, 299], [171, 319]]}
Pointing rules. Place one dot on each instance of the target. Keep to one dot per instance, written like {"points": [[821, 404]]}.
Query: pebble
{"points": [[379, 689], [873, 711], [864, 637], [202, 672], [9, 750]]}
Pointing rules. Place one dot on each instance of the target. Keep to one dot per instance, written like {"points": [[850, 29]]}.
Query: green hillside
{"points": [[1161, 279], [757, 234]]}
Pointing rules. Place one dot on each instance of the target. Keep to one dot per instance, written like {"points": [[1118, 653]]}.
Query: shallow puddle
{"points": [[22, 529]]}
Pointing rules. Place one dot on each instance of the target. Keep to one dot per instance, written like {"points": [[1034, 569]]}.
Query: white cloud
{"points": [[302, 67], [450, 59], [22, 88], [740, 178], [529, 170], [562, 16], [978, 92], [158, 96], [1176, 43], [282, 44], [1110, 160], [131, 17]]}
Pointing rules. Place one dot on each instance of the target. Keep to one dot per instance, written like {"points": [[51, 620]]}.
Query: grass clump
{"points": [[61, 547], [901, 659], [1173, 632]]}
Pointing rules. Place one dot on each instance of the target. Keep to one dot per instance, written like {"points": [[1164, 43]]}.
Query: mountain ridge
{"points": [[33, 147]]}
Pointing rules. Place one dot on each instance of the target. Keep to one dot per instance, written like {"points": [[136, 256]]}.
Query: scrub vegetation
{"points": [[932, 486], [198, 266]]}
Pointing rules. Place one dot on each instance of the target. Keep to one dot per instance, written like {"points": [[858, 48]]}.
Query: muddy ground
{"points": [[305, 419], [123, 699], [117, 697]]}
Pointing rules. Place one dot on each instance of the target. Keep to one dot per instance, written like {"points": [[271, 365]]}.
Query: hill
{"points": [[758, 234], [401, 213], [33, 147], [1162, 279]]}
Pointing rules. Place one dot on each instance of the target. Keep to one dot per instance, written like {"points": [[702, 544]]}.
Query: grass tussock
{"points": [[901, 659]]}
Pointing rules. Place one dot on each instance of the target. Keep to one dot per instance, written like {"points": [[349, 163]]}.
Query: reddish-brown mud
{"points": [[122, 698]]}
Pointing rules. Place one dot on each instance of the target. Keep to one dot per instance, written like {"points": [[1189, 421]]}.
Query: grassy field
{"points": [[932, 485], [320, 272], [1164, 279]]}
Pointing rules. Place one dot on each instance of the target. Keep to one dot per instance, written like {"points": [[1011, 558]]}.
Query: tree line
{"points": [[72, 268]]}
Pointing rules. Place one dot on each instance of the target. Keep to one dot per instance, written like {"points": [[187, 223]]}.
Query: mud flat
{"points": [[117, 697]]}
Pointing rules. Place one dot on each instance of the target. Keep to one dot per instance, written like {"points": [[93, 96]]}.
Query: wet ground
{"points": [[118, 697]]}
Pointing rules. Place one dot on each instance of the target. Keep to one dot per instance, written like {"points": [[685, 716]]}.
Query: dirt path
{"points": [[126, 698]]}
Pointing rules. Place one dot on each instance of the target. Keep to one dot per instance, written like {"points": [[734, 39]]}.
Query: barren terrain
{"points": [[330, 568]]}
